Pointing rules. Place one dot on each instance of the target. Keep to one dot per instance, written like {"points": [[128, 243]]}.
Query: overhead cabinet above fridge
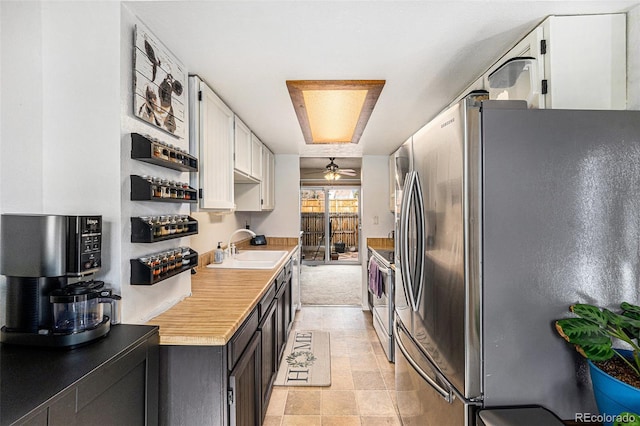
{"points": [[567, 62]]}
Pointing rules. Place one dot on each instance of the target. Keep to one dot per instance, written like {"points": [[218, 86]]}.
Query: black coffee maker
{"points": [[49, 262]]}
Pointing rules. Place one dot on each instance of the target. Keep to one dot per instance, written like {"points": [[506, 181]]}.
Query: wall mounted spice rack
{"points": [[144, 271], [161, 154], [152, 229], [142, 189]]}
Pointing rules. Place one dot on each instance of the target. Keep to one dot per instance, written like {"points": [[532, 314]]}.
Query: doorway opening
{"points": [[330, 224]]}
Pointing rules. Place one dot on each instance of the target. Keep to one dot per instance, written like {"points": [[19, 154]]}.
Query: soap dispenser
{"points": [[218, 254]]}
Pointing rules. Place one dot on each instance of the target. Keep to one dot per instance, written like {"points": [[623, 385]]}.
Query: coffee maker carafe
{"points": [[48, 261]]}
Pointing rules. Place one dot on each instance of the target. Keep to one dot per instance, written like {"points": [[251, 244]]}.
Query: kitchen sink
{"points": [[252, 259]]}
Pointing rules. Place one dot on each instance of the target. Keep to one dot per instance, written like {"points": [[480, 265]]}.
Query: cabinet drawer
{"points": [[267, 299], [241, 339], [281, 278]]}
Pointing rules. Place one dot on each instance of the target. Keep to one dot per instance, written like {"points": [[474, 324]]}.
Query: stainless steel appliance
{"points": [[510, 216], [48, 261], [382, 307]]}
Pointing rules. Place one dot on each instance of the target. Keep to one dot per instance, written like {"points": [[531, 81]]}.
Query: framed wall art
{"points": [[159, 84]]}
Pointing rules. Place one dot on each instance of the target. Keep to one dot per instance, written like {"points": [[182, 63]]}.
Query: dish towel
{"points": [[375, 278]]}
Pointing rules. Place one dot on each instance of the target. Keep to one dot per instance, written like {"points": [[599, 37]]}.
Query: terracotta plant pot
{"points": [[612, 395]]}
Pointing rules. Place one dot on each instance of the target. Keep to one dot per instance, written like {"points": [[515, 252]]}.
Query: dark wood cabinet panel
{"points": [[269, 366], [110, 381], [244, 387]]}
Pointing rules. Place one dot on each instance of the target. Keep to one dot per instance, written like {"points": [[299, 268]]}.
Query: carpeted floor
{"points": [[331, 285]]}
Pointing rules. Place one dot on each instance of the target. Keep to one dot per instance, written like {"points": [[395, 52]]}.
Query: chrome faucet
{"points": [[253, 234]]}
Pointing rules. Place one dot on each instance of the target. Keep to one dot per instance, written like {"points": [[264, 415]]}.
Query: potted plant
{"points": [[615, 373]]}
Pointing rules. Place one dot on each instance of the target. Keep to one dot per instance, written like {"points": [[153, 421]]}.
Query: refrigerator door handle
{"points": [[446, 394], [412, 279]]}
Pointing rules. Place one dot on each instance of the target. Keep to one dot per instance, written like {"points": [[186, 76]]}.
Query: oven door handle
{"points": [[381, 268]]}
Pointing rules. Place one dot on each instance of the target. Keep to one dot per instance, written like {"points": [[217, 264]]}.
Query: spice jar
{"points": [[157, 151], [156, 265], [157, 229], [165, 188], [180, 190], [179, 225], [164, 263], [185, 253], [165, 151], [163, 226], [178, 254], [172, 225], [171, 256], [173, 190]]}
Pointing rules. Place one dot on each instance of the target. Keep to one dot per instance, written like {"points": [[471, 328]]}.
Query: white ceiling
{"points": [[427, 51]]}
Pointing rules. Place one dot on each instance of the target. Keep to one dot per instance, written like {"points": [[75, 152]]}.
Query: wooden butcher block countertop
{"points": [[220, 302]]}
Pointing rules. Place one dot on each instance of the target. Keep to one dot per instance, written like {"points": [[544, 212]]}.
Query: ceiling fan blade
{"points": [[347, 172]]}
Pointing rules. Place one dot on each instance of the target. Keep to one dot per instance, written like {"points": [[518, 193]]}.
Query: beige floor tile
{"points": [[379, 421], [339, 403], [384, 363], [375, 403], [363, 347], [300, 402], [302, 421], [272, 420], [362, 379], [342, 380], [368, 380], [277, 401], [363, 362], [306, 388], [341, 421], [389, 378]]}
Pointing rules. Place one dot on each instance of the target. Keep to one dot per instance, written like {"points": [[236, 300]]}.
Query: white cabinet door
{"points": [[586, 64], [211, 135], [243, 146], [256, 157], [256, 197], [268, 180]]}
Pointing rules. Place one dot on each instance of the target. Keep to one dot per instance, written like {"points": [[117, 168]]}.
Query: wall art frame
{"points": [[159, 84]]}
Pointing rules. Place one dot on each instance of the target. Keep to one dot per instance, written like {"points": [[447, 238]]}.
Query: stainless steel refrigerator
{"points": [[509, 216]]}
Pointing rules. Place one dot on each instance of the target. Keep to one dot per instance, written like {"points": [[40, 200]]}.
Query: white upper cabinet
{"points": [[211, 135], [256, 157], [257, 197], [268, 180], [242, 144], [568, 62], [248, 154]]}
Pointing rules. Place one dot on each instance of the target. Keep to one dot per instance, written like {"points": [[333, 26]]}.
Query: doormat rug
{"points": [[306, 360]]}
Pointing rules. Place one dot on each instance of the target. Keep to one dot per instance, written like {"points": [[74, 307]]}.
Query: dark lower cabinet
{"points": [[285, 312], [229, 385], [245, 407], [113, 381], [269, 368]]}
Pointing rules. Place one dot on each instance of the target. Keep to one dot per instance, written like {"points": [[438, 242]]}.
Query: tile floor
{"points": [[362, 380]]}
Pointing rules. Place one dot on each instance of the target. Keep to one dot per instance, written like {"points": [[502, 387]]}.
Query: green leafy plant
{"points": [[627, 419], [594, 330]]}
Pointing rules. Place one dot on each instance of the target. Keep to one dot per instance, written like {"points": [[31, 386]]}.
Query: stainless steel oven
{"points": [[382, 303]]}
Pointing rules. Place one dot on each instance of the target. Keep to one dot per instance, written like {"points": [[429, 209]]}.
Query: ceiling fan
{"points": [[333, 172]]}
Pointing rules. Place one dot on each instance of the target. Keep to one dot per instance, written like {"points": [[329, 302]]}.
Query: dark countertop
{"points": [[30, 377]]}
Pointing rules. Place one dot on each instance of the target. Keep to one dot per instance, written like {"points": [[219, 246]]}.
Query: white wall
{"points": [[377, 218], [59, 111], [633, 59], [284, 220]]}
